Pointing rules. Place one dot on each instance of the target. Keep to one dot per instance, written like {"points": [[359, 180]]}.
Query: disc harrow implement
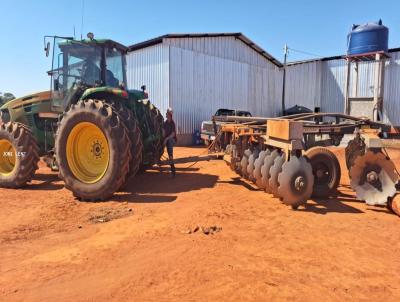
{"points": [[289, 157]]}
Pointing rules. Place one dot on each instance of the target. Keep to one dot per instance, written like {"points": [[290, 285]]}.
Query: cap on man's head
{"points": [[169, 110]]}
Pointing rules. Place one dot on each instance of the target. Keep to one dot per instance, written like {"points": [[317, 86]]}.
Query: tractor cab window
{"points": [[84, 64], [73, 62], [57, 72], [114, 67]]}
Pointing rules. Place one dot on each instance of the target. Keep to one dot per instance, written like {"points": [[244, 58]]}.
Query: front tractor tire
{"points": [[19, 155], [92, 149]]}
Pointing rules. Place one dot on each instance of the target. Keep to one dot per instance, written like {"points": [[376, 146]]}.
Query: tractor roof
{"points": [[100, 42]]}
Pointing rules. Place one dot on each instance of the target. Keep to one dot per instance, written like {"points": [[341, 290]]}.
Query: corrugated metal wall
{"points": [[391, 93], [363, 85], [303, 85], [150, 66], [201, 83], [196, 76], [333, 74], [322, 83]]}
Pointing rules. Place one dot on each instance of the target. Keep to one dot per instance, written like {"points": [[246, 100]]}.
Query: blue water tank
{"points": [[370, 37]]}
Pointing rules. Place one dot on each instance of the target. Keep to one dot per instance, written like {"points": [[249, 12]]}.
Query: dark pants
{"points": [[170, 150], [170, 147]]}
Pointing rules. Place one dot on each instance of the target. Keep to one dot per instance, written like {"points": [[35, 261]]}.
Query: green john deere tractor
{"points": [[89, 127]]}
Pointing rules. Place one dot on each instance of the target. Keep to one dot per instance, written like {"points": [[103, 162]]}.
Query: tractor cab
{"points": [[80, 65]]}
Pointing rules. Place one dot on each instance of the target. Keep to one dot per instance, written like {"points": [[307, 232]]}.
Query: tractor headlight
{"points": [[4, 115]]}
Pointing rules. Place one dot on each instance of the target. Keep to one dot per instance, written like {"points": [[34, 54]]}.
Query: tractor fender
{"points": [[104, 92]]}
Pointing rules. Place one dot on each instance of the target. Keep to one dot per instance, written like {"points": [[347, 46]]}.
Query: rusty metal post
{"points": [[346, 90]]}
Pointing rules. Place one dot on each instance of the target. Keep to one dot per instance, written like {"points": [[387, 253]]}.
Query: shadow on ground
{"points": [[155, 186], [331, 205], [238, 181], [45, 182]]}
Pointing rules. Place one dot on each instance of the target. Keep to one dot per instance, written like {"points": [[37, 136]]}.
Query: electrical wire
{"points": [[305, 52]]}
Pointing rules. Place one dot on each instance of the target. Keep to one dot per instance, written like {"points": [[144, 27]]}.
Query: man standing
{"points": [[170, 138]]}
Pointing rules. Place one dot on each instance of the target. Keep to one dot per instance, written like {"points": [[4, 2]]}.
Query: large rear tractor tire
{"points": [[134, 133], [326, 170], [19, 155], [93, 150], [151, 125], [158, 124]]}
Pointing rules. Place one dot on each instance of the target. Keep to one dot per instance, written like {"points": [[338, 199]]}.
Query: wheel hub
{"points": [[320, 173], [372, 177], [88, 152], [299, 183], [7, 157], [97, 149]]}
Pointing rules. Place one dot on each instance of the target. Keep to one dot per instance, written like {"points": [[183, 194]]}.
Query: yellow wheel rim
{"points": [[88, 153], [7, 157]]}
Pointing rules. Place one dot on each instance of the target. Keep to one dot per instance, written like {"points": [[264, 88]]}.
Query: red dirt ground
{"points": [[139, 246]]}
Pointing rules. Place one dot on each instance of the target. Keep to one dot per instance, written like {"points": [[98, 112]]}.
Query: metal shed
{"points": [[321, 83], [196, 74]]}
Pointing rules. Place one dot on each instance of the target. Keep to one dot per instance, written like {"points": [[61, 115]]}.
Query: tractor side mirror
{"points": [[47, 49]]}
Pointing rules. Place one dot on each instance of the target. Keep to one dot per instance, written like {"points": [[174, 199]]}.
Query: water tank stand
{"points": [[360, 105]]}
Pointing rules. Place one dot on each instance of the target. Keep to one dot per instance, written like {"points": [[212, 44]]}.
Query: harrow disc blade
{"points": [[354, 148], [244, 162], [228, 154], [232, 153], [394, 204], [373, 178], [295, 181], [257, 168], [250, 166], [268, 162], [235, 162], [274, 172]]}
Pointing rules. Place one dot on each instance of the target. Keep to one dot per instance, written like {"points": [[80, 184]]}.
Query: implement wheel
{"points": [[93, 150], [19, 155], [326, 171]]}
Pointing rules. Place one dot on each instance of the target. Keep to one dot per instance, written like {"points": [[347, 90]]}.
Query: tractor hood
{"points": [[26, 100]]}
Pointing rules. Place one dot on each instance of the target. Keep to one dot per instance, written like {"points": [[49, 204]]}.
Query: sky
{"points": [[316, 27]]}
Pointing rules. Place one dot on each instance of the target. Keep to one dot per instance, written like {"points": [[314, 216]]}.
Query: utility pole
{"points": [[285, 50]]}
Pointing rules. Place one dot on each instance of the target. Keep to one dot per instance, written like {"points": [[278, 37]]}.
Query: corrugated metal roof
{"points": [[239, 36], [331, 58]]}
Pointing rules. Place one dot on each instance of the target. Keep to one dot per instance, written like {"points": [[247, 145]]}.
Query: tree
{"points": [[6, 97]]}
